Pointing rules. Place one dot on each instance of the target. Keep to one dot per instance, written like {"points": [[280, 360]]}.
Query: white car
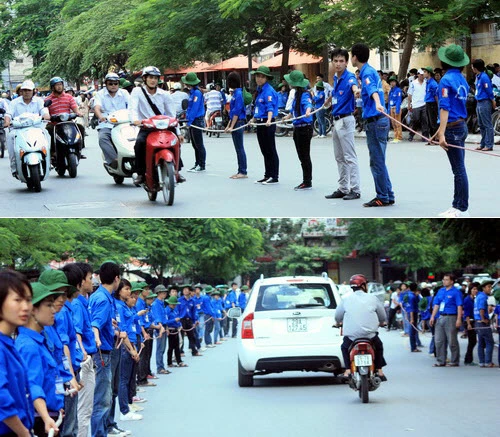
{"points": [[287, 325]]}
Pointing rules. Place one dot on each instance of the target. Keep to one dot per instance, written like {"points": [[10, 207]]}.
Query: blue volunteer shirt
{"points": [[81, 320], [282, 99], [43, 372], [206, 306], [319, 99], [197, 303], [217, 307], [343, 100], [480, 303], [395, 98], [410, 303], [66, 330], [158, 312], [196, 105], [55, 346], [448, 300], [173, 314], [237, 105], [305, 102], [370, 84], [266, 101], [242, 301], [468, 307], [452, 94], [484, 87], [187, 308], [229, 300], [15, 395], [102, 312], [431, 90], [126, 320]]}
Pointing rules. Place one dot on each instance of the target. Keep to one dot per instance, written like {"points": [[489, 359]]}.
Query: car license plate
{"points": [[363, 360], [218, 119], [297, 325]]}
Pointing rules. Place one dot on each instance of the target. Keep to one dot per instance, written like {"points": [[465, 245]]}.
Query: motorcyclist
{"points": [[140, 109], [213, 101], [361, 314], [111, 98], [178, 96], [26, 103]]}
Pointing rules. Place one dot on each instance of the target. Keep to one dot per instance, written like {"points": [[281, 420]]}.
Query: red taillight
{"points": [[365, 347], [247, 327]]}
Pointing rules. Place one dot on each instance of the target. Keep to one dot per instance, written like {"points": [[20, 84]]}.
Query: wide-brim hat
{"points": [[263, 70], [429, 69], [244, 288], [208, 289], [138, 286], [160, 289], [216, 293], [198, 285], [190, 79], [296, 78], [151, 295], [54, 279], [187, 286], [172, 300], [320, 85], [392, 78], [41, 291], [487, 282], [453, 55]]}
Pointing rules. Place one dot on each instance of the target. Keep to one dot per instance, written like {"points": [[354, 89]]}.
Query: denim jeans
{"points": [[376, 137], [413, 332], [240, 149], [116, 357], [485, 343], [208, 331], [69, 426], [216, 330], [200, 329], [102, 395], [320, 115], [484, 109], [161, 345], [406, 323], [126, 367], [197, 140], [456, 135]]}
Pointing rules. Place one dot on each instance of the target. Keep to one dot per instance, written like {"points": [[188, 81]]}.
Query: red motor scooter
{"points": [[363, 376], [162, 157]]}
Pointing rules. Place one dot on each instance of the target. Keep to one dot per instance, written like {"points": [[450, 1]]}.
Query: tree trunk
{"points": [[468, 49], [286, 57], [325, 63], [249, 55], [407, 49]]}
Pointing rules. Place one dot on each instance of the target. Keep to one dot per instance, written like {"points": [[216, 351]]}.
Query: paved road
{"points": [[418, 400], [421, 176]]}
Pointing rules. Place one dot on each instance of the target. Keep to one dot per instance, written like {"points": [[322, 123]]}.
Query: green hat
{"points": [[172, 300], [215, 292], [124, 83], [263, 70], [429, 69], [208, 289], [296, 78], [138, 286], [54, 279], [151, 295], [41, 291], [489, 73], [221, 287], [190, 79], [186, 286], [320, 85], [244, 288], [453, 55], [488, 281], [280, 85], [160, 289], [198, 285], [393, 78]]}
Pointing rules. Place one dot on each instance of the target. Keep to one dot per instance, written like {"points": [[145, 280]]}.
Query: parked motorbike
{"points": [[182, 119], [282, 126], [215, 123], [162, 157], [67, 143], [470, 105], [123, 136], [2, 133], [31, 150]]}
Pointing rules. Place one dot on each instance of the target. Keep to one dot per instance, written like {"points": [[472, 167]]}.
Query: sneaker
{"points": [[140, 390], [261, 181], [410, 139], [351, 196], [270, 181], [123, 431], [115, 433], [375, 203], [470, 364], [148, 384], [180, 179], [139, 179], [317, 136], [199, 169], [193, 169], [152, 376], [210, 345], [203, 349], [302, 187], [135, 408], [138, 400], [130, 416], [454, 213], [395, 140], [337, 194]]}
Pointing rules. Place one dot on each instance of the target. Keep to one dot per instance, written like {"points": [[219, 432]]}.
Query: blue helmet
{"points": [[55, 80]]}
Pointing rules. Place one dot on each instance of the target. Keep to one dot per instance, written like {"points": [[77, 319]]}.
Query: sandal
{"points": [[452, 365], [438, 365], [164, 372], [417, 350], [479, 148], [173, 365], [183, 365], [491, 365]]}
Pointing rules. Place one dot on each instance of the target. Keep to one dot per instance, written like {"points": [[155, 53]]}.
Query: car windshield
{"points": [[289, 296]]}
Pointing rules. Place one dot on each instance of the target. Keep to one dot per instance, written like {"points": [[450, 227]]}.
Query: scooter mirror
{"points": [[47, 103], [185, 104], [2, 111]]}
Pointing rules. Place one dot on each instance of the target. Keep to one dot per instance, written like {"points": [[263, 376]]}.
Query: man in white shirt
{"points": [[416, 105], [178, 96], [111, 98], [213, 102]]}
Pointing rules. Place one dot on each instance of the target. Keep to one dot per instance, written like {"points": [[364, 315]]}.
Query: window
{"points": [[385, 61], [291, 296], [19, 60]]}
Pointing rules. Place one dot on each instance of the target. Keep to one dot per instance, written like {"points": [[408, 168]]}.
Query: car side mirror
{"points": [[47, 103], [185, 104]]}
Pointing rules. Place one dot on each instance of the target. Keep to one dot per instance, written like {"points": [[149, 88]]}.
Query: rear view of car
{"points": [[287, 326]]}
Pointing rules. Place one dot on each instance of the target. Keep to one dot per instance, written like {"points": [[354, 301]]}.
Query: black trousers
{"points": [[302, 139], [140, 151], [187, 324], [392, 318], [173, 346], [419, 119], [432, 116], [471, 344], [377, 345], [267, 143], [145, 360]]}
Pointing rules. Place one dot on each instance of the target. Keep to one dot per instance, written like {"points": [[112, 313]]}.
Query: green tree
{"points": [[303, 260]]}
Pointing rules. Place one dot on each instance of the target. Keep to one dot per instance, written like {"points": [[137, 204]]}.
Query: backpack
{"points": [[247, 97]]}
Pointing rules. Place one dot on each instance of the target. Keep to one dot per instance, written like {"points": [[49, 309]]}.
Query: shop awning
{"points": [[239, 62], [295, 58]]}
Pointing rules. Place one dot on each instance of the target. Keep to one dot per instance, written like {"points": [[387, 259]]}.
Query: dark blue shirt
{"points": [[266, 101], [370, 84], [305, 102], [484, 87], [448, 300], [481, 303], [81, 320], [43, 372], [342, 96], [452, 94], [66, 330], [395, 98], [15, 395], [102, 311], [431, 90], [237, 105], [158, 312], [173, 314], [196, 105], [468, 307], [187, 308]]}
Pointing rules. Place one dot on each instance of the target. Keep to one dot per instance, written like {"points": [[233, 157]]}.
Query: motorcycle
{"points": [[182, 119], [31, 150], [162, 157], [363, 378], [123, 136], [282, 126], [215, 122]]}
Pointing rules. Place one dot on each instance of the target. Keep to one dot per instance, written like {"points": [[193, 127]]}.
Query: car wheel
{"points": [[244, 379]]}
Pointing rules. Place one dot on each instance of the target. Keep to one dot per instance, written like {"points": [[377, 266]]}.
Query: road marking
{"points": [[83, 205]]}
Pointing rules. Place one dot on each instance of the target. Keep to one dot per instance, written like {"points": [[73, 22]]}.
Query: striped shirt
{"points": [[62, 104]]}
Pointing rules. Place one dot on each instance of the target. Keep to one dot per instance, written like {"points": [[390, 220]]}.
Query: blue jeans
{"points": [[406, 323], [320, 115], [413, 332], [208, 331], [456, 135], [238, 146], [126, 367], [485, 343], [102, 395], [116, 357], [200, 329], [200, 153], [484, 109], [216, 330], [70, 422], [376, 137], [161, 345]]}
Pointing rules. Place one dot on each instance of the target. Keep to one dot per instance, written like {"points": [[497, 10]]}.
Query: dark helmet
{"points": [[69, 89], [55, 80], [357, 281]]}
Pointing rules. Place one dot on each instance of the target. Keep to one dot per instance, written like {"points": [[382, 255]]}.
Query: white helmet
{"points": [[150, 71], [176, 86], [27, 85]]}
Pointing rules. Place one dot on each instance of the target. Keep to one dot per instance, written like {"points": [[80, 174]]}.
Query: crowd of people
{"points": [[444, 311], [89, 347]]}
